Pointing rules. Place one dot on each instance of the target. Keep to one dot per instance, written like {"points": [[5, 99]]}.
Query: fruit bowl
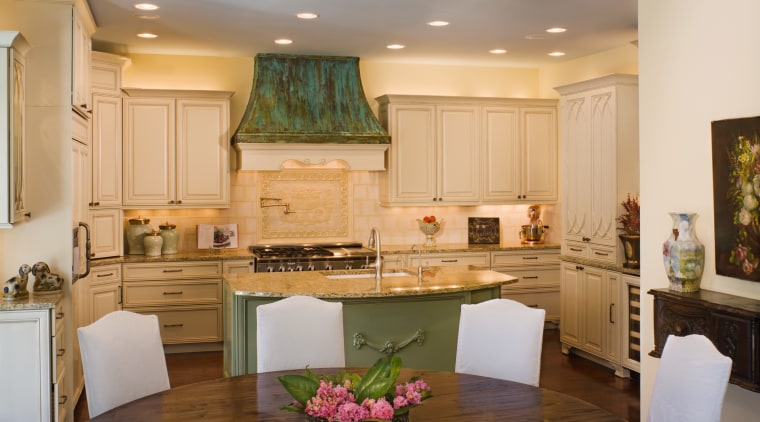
{"points": [[429, 229]]}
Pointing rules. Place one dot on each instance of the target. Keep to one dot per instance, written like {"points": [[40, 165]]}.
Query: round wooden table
{"points": [[456, 397]]}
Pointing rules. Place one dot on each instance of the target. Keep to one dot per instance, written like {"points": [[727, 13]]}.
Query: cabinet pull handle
{"points": [[120, 295], [530, 257], [173, 325], [27, 214], [63, 399], [579, 268], [612, 306], [576, 249], [59, 315], [449, 260], [179, 270], [601, 253], [104, 275], [173, 293], [586, 239], [530, 277], [60, 352]]}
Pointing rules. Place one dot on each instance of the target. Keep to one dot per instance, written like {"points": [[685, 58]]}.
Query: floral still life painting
{"points": [[736, 197]]}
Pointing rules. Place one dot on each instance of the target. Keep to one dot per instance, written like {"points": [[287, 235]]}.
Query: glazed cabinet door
{"points": [[577, 171], [149, 161], [238, 266], [202, 152], [539, 154], [107, 232], [501, 154], [571, 280], [458, 145], [106, 151]]}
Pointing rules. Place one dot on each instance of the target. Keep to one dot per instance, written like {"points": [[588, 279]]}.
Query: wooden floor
{"points": [[569, 374]]}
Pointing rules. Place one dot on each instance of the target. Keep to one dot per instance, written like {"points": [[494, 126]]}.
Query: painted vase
{"points": [[136, 231], [170, 236], [683, 254], [152, 243]]}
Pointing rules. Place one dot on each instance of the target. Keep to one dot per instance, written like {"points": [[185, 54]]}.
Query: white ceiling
{"points": [[363, 28]]}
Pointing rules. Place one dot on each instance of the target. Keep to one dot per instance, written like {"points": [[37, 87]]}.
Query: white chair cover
{"points": [[298, 331], [691, 382], [123, 360], [501, 338]]}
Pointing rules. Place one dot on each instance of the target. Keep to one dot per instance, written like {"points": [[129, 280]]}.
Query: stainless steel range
{"points": [[312, 257]]}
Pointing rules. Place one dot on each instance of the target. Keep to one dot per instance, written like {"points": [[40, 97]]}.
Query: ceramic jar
{"points": [[683, 254], [170, 237], [136, 231], [153, 243]]}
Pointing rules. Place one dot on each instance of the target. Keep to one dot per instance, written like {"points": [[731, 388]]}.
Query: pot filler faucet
{"points": [[374, 242]]}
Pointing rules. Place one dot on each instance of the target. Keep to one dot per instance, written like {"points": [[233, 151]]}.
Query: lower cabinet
{"points": [[538, 274], [238, 266], [186, 297], [590, 311], [34, 370], [481, 259]]}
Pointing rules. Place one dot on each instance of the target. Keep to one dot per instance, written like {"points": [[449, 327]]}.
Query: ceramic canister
{"points": [[153, 242], [136, 231], [170, 236]]}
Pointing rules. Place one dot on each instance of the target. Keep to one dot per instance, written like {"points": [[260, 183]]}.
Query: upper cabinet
{"points": [[176, 148], [83, 28], [469, 151], [13, 46], [601, 157]]}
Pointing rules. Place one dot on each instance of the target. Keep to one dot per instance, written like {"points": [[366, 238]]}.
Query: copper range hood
{"points": [[309, 111]]}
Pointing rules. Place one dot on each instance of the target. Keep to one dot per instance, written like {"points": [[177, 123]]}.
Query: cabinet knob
{"points": [[179, 202], [171, 202]]}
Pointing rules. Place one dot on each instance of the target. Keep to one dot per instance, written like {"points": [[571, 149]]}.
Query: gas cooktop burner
{"points": [[311, 257], [290, 251]]}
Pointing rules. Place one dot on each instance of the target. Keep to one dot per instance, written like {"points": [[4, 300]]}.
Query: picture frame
{"points": [[483, 230]]}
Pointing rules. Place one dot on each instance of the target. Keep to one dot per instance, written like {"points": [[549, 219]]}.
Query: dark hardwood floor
{"points": [[568, 374]]}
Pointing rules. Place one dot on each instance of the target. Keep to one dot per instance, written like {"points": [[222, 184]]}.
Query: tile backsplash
{"points": [[397, 225]]}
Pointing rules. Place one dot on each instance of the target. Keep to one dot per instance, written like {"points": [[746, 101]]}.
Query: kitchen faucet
{"points": [[374, 242], [419, 263]]}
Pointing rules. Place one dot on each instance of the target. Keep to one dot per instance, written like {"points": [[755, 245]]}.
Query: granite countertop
{"points": [[31, 303], [436, 280], [244, 253]]}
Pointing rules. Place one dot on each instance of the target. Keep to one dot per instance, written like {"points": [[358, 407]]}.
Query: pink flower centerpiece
{"points": [[347, 397]]}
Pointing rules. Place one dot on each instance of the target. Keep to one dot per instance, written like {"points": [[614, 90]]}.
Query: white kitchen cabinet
{"points": [[591, 312], [480, 259], [83, 26], [106, 151], [13, 206], [33, 352], [600, 153], [468, 151], [433, 158], [538, 278], [176, 149], [520, 152], [106, 232], [104, 294]]}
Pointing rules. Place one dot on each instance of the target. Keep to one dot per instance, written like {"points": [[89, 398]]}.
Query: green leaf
{"points": [[300, 387], [379, 378]]}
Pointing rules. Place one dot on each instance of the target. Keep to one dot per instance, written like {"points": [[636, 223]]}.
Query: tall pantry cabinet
{"points": [[599, 120]]}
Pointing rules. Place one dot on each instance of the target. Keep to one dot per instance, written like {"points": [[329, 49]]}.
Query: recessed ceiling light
{"points": [[283, 41], [396, 46], [557, 53], [307, 15], [147, 35], [438, 23], [146, 16], [497, 51], [535, 37], [145, 6], [556, 30]]}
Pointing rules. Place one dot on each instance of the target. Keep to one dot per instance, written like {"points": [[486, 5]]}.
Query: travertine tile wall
{"points": [[397, 225]]}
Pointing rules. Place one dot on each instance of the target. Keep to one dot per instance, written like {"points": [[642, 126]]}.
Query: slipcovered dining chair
{"points": [[691, 381], [501, 338], [298, 331], [123, 360]]}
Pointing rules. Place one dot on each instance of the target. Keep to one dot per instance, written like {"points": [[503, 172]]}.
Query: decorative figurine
{"points": [[15, 287], [44, 280]]}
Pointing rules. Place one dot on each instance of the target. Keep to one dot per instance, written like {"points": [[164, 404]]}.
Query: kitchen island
{"points": [[419, 320]]}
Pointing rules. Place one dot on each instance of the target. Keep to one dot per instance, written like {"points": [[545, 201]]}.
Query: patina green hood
{"points": [[308, 100]]}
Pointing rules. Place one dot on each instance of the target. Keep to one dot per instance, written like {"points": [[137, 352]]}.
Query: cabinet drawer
{"points": [[105, 275], [195, 324], [435, 260], [591, 251], [532, 280], [521, 258], [160, 293], [548, 301], [173, 271]]}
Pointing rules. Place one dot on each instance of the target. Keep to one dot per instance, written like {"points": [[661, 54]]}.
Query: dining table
{"points": [[455, 397]]}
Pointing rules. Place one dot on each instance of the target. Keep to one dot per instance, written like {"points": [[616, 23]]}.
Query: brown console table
{"points": [[731, 322]]}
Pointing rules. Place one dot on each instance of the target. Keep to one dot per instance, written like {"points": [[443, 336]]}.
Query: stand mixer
{"points": [[534, 232]]}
